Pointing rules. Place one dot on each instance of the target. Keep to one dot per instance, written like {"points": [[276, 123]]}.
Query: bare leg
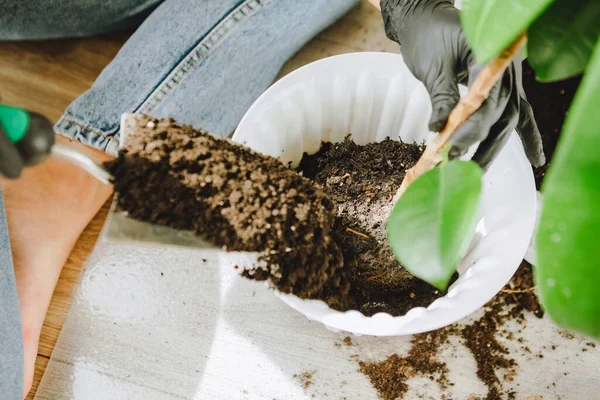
{"points": [[47, 209]]}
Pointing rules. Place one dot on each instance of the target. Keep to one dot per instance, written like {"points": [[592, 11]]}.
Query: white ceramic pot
{"points": [[373, 96]]}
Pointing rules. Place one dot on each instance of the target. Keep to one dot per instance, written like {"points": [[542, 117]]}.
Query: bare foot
{"points": [[47, 209]]}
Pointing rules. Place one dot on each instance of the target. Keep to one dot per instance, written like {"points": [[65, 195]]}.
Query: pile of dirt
{"points": [[305, 378], [481, 337], [389, 376], [362, 181], [173, 175]]}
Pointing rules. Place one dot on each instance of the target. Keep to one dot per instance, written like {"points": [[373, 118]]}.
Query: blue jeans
{"points": [[202, 62]]}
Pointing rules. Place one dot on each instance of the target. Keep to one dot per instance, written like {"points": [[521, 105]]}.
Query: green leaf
{"points": [[568, 240], [561, 41], [491, 25], [432, 225]]}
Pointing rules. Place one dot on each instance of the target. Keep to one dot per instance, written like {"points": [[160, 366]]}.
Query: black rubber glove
{"points": [[32, 149], [436, 52]]}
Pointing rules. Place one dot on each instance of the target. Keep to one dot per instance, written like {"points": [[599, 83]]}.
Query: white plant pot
{"points": [[373, 96]]}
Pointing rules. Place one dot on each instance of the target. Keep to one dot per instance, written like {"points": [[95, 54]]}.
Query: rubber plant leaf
{"points": [[568, 238], [432, 224], [561, 41], [491, 25]]}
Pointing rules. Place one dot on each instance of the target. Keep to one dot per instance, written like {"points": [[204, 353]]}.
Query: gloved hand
{"points": [[436, 52], [25, 139]]}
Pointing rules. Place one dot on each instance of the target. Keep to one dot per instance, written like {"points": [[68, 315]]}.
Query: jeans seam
{"points": [[199, 52], [85, 127], [87, 135]]}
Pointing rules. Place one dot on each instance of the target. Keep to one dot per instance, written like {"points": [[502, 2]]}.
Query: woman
{"points": [[202, 62]]}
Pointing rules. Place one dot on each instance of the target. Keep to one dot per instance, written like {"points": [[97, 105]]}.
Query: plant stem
{"points": [[467, 105]]}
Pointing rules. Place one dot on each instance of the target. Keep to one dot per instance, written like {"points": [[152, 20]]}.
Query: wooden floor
{"points": [[45, 77]]}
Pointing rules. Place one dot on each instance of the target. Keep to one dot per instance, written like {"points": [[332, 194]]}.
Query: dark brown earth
{"points": [[362, 181], [173, 175], [481, 337], [390, 375], [550, 103]]}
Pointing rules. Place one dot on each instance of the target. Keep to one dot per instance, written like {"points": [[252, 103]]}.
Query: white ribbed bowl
{"points": [[373, 96]]}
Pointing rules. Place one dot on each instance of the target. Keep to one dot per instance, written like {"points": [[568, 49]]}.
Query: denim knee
{"points": [[50, 19], [202, 63]]}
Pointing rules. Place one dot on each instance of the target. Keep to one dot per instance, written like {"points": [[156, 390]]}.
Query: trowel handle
{"points": [[31, 132], [15, 122], [34, 137]]}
